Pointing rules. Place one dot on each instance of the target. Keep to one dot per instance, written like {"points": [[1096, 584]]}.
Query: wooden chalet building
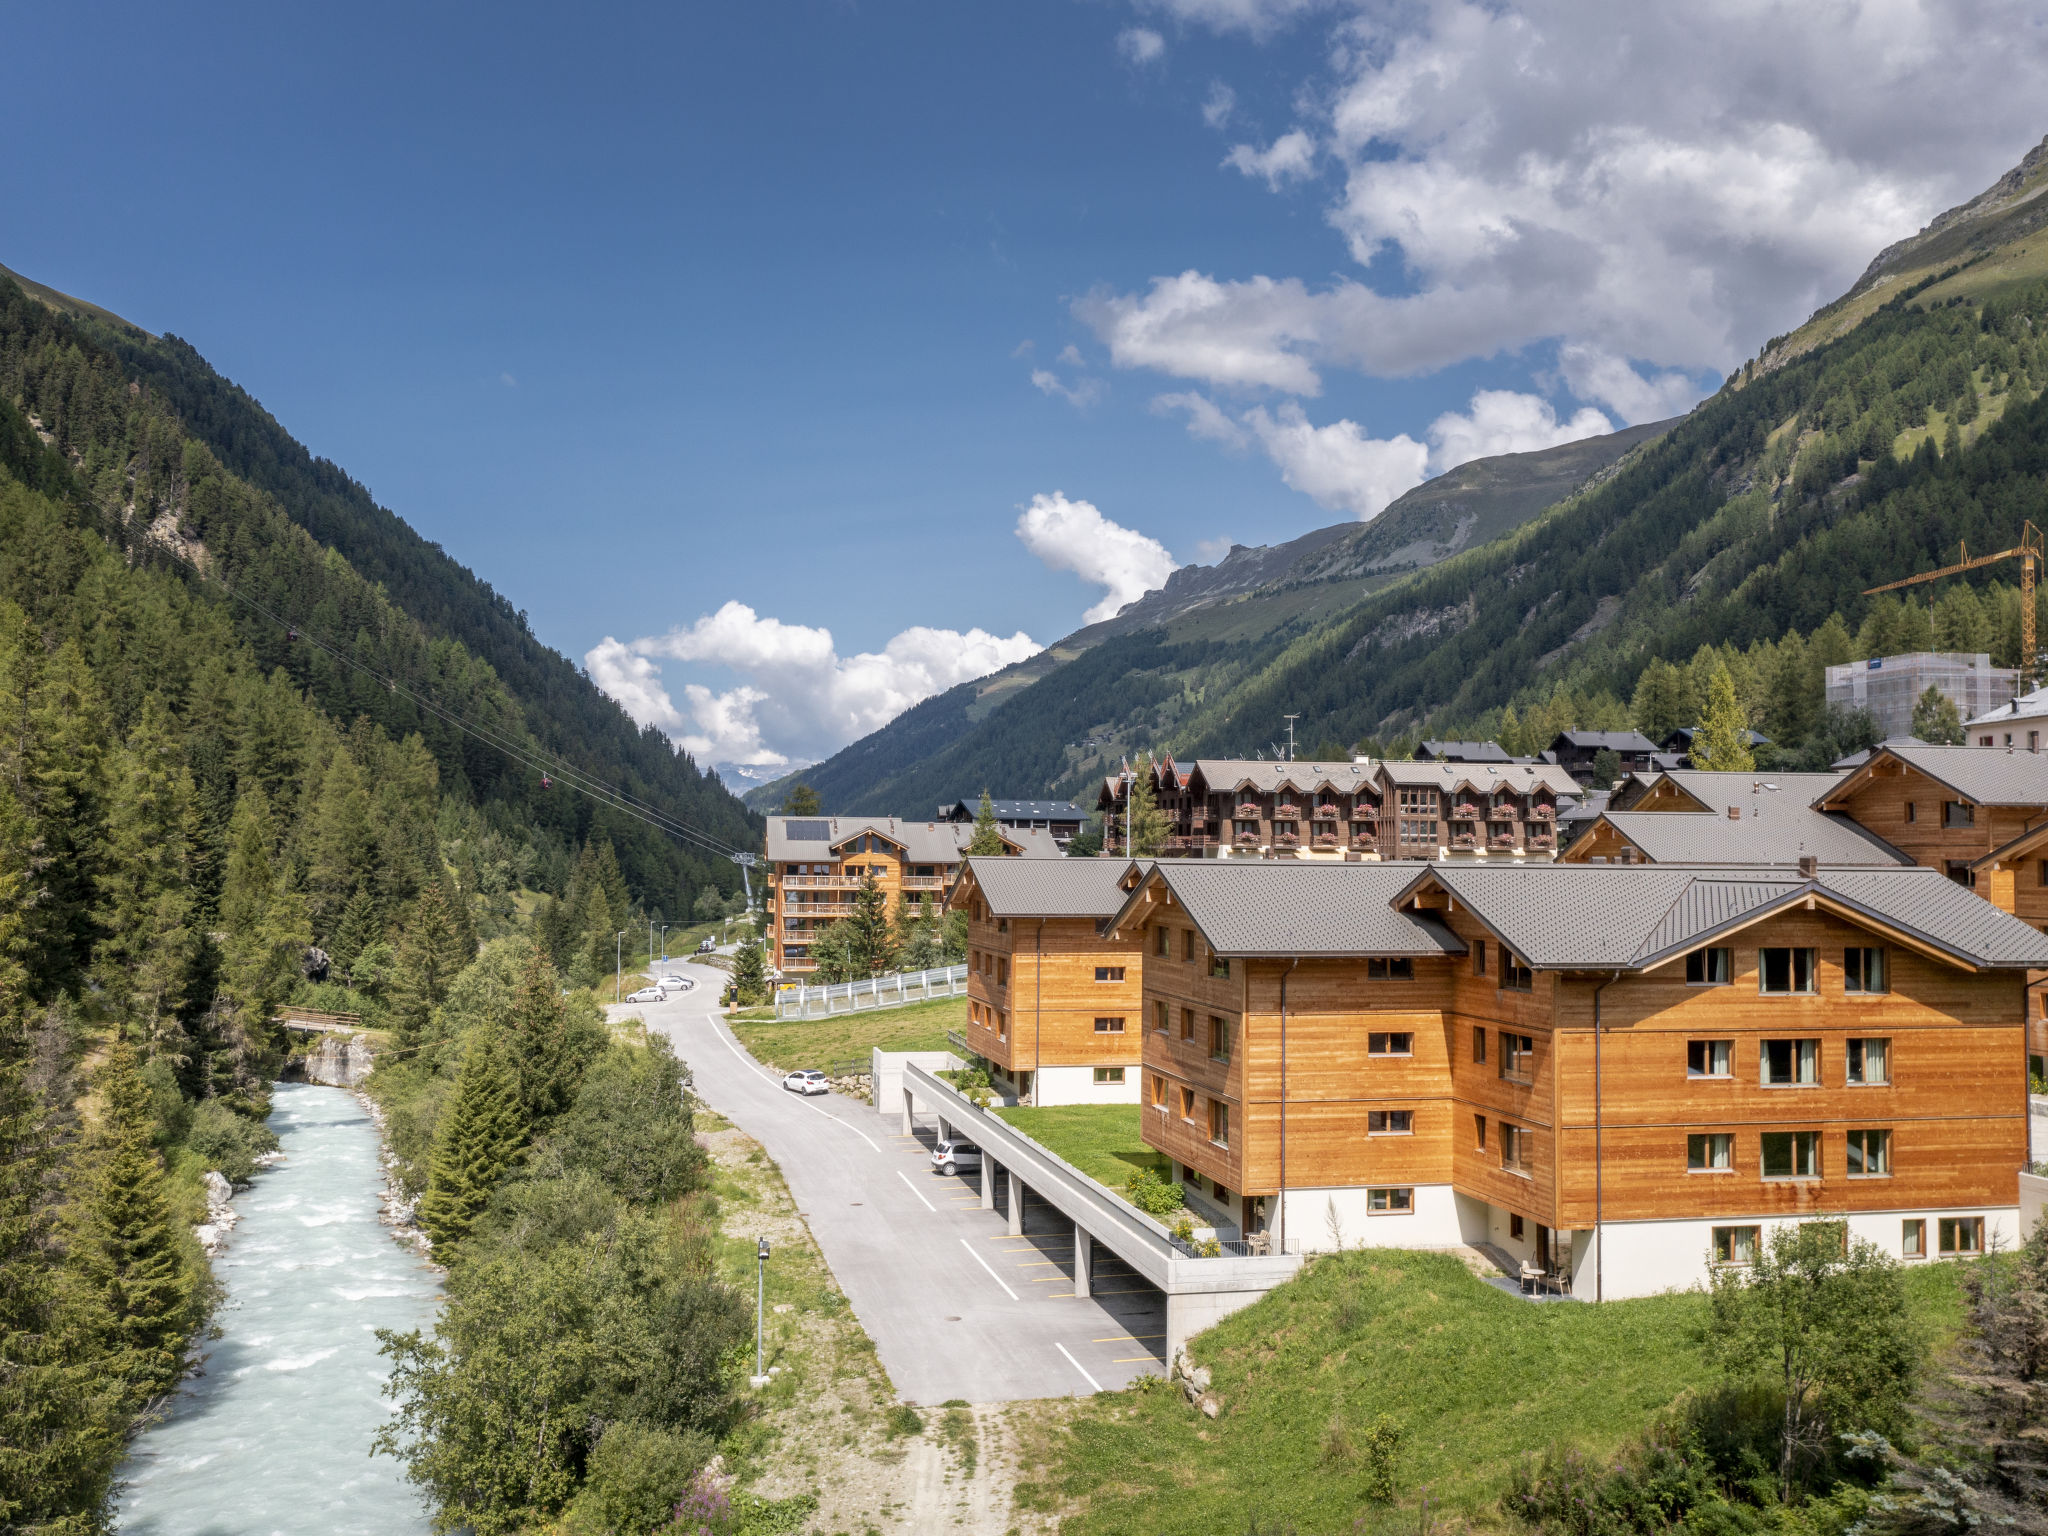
{"points": [[818, 864], [1691, 816], [1062, 818], [1621, 1076], [1233, 807], [1052, 1001], [1575, 751]]}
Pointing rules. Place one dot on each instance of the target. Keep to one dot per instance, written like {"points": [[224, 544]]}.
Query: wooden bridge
{"points": [[313, 1021]]}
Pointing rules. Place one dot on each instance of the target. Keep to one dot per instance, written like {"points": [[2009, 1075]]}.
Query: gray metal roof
{"points": [[1753, 791], [1613, 741], [1228, 773], [1986, 775], [1030, 810], [1629, 917], [1520, 778], [1463, 752], [1783, 834], [818, 839], [1052, 887], [1296, 907]]}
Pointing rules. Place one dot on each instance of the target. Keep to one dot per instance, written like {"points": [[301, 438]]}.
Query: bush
{"points": [[630, 1127], [1381, 1447], [974, 1085], [636, 1479], [228, 1142], [1153, 1195]]}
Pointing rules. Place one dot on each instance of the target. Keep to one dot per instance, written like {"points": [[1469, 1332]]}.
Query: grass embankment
{"points": [[787, 1044], [1101, 1140], [1475, 1378]]}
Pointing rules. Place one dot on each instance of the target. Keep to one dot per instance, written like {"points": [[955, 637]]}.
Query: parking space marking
{"points": [[991, 1272], [916, 1191], [1078, 1366], [1129, 1338]]}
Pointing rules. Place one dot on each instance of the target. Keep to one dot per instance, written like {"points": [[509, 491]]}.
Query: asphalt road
{"points": [[957, 1308]]}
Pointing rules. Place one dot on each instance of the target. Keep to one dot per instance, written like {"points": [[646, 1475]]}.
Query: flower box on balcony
{"points": [[1365, 813], [1286, 840], [1464, 840], [1541, 812], [1541, 840], [1326, 839], [1466, 811], [1501, 842], [1326, 813], [1247, 839], [1287, 813], [1248, 812]]}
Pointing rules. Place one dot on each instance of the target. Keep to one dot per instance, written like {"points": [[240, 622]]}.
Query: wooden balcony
{"points": [[1542, 839], [1326, 813], [1465, 840], [924, 882], [1465, 810], [1542, 813], [1501, 841], [1190, 845], [820, 882], [1248, 811], [1287, 813], [1286, 839], [1364, 839], [1365, 813], [1247, 839], [1506, 811], [1326, 839]]}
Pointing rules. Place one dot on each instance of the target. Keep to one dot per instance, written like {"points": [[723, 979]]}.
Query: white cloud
{"points": [[1075, 536], [1081, 394], [1205, 418], [1594, 374], [1650, 182], [1219, 104], [1338, 465], [1506, 421], [798, 698], [1071, 356], [1291, 157], [508, 381], [1140, 45], [1212, 551]]}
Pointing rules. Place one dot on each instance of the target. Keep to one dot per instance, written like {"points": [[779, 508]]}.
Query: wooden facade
{"points": [[1051, 992], [1927, 820]]}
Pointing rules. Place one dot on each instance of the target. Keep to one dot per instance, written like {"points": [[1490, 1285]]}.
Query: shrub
{"points": [[636, 1479], [974, 1085], [228, 1142], [904, 1420], [1153, 1195], [1380, 1446]]}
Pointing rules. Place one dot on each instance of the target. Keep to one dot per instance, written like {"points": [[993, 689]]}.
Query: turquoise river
{"points": [[274, 1435]]}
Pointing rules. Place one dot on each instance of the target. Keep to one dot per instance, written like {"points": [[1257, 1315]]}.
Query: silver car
{"points": [[674, 983], [647, 995], [953, 1156], [810, 1080]]}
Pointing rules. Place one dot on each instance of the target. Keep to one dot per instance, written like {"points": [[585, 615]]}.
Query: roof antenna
{"points": [[1290, 719]]}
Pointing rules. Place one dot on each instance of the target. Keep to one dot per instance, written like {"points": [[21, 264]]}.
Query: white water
{"points": [[274, 1438]]}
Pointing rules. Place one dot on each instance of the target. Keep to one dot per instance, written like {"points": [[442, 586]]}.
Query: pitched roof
{"points": [[1293, 907], [1756, 793], [1781, 835], [2028, 706], [1228, 773], [1985, 775], [806, 839], [1613, 741], [1520, 778], [1633, 917], [1030, 810], [1053, 887], [1463, 752]]}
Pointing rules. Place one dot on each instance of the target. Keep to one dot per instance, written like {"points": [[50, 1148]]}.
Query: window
{"points": [[1870, 1062], [1714, 967], [1479, 946], [1219, 1122], [1387, 1043], [1479, 1045], [1002, 972], [1789, 1063], [1389, 1202], [1162, 1018], [1158, 1091], [1713, 1152], [1187, 1023], [1109, 1074], [1709, 1058], [1002, 1024], [1109, 973], [1218, 966], [1912, 811], [1187, 944], [1514, 1148], [1961, 1234], [1401, 969], [1958, 813], [1863, 970], [1187, 1105], [1109, 1026], [2041, 871], [1517, 1056], [1515, 1226], [1791, 1154], [1479, 1132], [1736, 1245], [1219, 1039], [1515, 975], [1785, 970], [1913, 1239], [1002, 925], [1870, 1154], [1390, 1122], [1162, 942]]}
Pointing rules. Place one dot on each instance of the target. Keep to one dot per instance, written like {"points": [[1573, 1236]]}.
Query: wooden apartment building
{"points": [[818, 864], [1622, 1074], [1052, 1002]]}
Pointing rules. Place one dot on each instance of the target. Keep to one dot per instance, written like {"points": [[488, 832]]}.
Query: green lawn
{"points": [[815, 1042], [1475, 1378], [1099, 1139]]}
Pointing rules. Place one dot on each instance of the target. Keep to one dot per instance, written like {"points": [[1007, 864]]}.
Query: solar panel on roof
{"points": [[807, 831]]}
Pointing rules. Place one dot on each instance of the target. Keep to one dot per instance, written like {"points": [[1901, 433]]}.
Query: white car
{"points": [[952, 1156], [647, 995], [810, 1080], [674, 983]]}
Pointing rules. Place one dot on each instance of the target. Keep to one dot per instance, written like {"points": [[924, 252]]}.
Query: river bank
{"points": [[273, 1433]]}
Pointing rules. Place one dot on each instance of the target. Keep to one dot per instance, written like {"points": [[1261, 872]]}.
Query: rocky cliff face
{"points": [[340, 1060]]}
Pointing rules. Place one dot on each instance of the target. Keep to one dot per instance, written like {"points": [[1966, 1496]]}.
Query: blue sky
{"points": [[647, 311]]}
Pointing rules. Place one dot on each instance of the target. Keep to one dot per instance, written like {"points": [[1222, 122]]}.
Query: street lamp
{"points": [[619, 967], [760, 1377]]}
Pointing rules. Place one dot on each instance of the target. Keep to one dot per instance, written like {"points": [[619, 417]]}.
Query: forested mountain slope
{"points": [[215, 460]]}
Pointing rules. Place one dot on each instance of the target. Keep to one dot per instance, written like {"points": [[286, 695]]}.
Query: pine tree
{"points": [[431, 954], [357, 930], [988, 837], [1146, 825], [802, 800], [341, 844], [63, 777], [126, 1244], [480, 1136], [1722, 743], [1655, 708], [870, 938], [750, 974], [537, 1035], [1797, 693], [1936, 719], [1830, 646]]}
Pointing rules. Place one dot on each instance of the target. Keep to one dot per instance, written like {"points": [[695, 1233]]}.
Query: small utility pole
{"points": [[1290, 719], [619, 967], [760, 1377]]}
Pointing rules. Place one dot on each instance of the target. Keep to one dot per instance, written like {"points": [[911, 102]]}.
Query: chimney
{"points": [[1809, 866], [1735, 813]]}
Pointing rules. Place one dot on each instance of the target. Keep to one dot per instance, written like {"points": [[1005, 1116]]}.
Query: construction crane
{"points": [[2030, 552]]}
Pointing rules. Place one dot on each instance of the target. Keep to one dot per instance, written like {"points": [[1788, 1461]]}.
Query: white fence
{"points": [[881, 992]]}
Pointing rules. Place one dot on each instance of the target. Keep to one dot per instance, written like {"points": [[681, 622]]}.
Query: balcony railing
{"points": [[1248, 811], [1326, 839], [1465, 810], [1506, 810], [796, 909], [1364, 839], [1542, 812], [1247, 839], [1326, 813], [821, 882], [1365, 813], [1542, 839], [1286, 839], [924, 882], [1501, 840], [1464, 840], [1287, 813]]}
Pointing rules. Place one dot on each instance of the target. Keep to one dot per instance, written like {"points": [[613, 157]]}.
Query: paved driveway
{"points": [[957, 1308]]}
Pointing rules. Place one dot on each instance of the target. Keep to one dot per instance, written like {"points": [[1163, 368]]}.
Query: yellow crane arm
{"points": [[1948, 570], [2031, 551]]}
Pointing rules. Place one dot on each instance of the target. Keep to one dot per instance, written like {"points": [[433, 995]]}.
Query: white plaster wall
{"points": [[1324, 1220], [1077, 1085], [2037, 1128]]}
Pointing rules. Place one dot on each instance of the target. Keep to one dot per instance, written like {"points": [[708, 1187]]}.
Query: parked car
{"points": [[952, 1156], [674, 983], [648, 995], [810, 1080]]}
